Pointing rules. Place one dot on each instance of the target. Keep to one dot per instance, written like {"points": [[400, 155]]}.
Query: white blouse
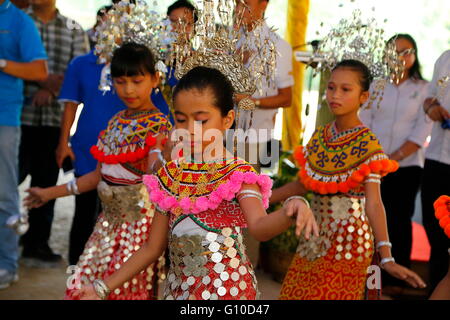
{"points": [[439, 149], [400, 118]]}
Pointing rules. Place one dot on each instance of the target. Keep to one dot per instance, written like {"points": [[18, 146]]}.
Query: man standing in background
{"points": [[22, 57], [63, 39]]}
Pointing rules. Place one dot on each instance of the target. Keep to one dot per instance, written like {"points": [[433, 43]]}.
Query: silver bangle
{"points": [[101, 289], [384, 244], [373, 180], [299, 198], [249, 196], [386, 260], [160, 156], [374, 175], [256, 193]]}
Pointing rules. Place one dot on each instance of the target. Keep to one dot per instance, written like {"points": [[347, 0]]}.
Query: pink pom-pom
{"points": [[156, 196], [185, 204], [168, 203], [265, 183], [235, 187], [250, 177], [151, 182], [237, 177], [202, 204], [215, 198], [222, 189]]}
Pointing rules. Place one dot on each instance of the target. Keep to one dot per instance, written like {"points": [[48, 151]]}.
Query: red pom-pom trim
{"points": [[381, 167], [100, 156], [442, 213]]}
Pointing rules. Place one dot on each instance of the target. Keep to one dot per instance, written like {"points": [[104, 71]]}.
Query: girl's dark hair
{"points": [[415, 71], [365, 78], [132, 59], [183, 4], [202, 78]]}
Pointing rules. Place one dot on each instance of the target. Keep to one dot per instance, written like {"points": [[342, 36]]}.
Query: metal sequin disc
{"points": [[234, 263], [217, 283], [221, 291], [190, 281], [206, 280], [214, 247], [206, 295], [242, 270], [224, 276], [216, 257], [219, 267], [211, 236], [235, 276], [231, 252], [226, 232]]}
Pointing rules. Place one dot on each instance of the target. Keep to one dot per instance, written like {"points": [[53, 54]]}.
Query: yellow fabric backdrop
{"points": [[297, 21]]}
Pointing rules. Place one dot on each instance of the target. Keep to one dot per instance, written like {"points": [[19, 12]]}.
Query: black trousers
{"points": [[37, 158], [399, 191], [87, 208], [436, 182]]}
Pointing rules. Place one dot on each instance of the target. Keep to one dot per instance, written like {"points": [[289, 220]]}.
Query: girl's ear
{"points": [[364, 97], [229, 119], [156, 78]]}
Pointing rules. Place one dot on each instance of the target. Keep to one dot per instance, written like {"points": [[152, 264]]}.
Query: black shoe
{"points": [[44, 254]]}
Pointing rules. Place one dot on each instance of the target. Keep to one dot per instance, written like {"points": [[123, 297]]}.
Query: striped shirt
{"points": [[63, 39]]}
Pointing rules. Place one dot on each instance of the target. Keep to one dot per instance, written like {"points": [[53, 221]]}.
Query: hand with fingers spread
{"points": [[404, 274], [298, 209], [36, 198]]}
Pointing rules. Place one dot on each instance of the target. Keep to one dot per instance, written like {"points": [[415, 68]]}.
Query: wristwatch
{"points": [[2, 63]]}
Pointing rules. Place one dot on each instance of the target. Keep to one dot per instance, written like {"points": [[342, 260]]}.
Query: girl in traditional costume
{"points": [[342, 165], [204, 206], [130, 147]]}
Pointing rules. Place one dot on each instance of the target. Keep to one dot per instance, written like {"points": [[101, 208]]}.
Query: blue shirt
{"points": [[81, 82], [20, 42]]}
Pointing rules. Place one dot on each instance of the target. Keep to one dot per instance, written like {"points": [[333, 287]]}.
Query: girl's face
{"points": [[135, 91], [195, 110], [344, 92], [405, 50]]}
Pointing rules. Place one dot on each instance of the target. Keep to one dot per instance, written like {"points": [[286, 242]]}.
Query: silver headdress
{"points": [[128, 22], [220, 42], [364, 41]]}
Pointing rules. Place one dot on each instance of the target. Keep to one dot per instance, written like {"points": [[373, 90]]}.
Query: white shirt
{"points": [[265, 118], [400, 118], [439, 149]]}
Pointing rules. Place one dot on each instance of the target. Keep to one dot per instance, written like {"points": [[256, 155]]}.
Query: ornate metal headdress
{"points": [[128, 22], [219, 41], [364, 41]]}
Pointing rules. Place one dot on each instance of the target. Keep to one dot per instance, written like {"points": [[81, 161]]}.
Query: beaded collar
{"points": [[128, 138], [197, 187]]}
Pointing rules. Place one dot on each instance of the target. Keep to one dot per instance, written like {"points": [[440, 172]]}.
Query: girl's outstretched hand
{"points": [[86, 293], [405, 274], [36, 198], [304, 218]]}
